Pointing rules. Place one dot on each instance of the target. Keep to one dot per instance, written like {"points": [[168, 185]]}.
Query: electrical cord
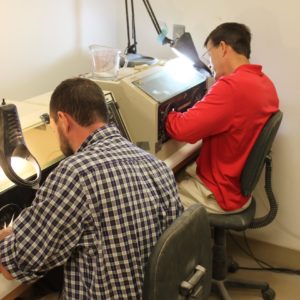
{"points": [[263, 266], [258, 261]]}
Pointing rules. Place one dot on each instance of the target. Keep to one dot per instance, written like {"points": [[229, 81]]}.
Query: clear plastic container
{"points": [[105, 62]]}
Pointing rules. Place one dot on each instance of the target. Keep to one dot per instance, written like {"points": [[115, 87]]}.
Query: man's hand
{"points": [[3, 234], [5, 273]]}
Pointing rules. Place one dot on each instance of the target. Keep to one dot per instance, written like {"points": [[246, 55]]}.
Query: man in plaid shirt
{"points": [[99, 213]]}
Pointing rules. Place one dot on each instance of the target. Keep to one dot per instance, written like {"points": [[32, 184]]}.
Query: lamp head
{"points": [[185, 46]]}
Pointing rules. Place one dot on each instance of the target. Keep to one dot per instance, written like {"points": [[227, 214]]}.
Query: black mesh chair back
{"points": [[261, 149], [180, 264]]}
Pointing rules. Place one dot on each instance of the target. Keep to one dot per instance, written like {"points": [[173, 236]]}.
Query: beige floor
{"points": [[286, 286]]}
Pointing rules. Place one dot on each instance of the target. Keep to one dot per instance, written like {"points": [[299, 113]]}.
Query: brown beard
{"points": [[64, 144]]}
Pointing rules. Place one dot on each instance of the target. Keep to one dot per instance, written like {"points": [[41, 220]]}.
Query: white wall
{"points": [[276, 45], [44, 42]]}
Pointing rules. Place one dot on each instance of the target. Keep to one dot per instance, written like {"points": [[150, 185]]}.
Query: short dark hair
{"points": [[82, 99], [237, 35]]}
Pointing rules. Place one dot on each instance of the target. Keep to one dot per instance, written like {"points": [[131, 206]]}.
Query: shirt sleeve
{"points": [[209, 116], [171, 204], [45, 234]]}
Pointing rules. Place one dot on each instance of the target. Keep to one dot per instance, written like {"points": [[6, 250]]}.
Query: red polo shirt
{"points": [[228, 119]]}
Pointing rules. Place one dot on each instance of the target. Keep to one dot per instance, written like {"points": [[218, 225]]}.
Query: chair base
{"points": [[220, 287]]}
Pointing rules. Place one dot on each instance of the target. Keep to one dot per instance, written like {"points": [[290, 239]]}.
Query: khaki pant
{"points": [[192, 190]]}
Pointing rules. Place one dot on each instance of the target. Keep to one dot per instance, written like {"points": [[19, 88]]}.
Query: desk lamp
{"points": [[182, 46], [12, 145], [133, 57]]}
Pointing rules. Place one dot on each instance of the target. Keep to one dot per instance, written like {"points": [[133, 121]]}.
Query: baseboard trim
{"points": [[274, 255]]}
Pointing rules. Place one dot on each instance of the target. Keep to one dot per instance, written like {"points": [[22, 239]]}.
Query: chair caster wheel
{"points": [[268, 294]]}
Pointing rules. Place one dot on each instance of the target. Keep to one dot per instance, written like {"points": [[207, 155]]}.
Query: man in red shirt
{"points": [[228, 120]]}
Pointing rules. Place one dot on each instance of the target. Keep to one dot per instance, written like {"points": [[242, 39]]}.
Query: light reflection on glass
{"points": [[22, 167], [181, 69]]}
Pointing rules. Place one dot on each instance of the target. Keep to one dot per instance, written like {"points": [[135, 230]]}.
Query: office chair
{"points": [[180, 264], [258, 158]]}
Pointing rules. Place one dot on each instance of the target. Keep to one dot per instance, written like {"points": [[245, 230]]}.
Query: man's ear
{"points": [[65, 120], [224, 47]]}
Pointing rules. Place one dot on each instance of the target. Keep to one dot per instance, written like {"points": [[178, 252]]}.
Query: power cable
{"points": [[263, 266]]}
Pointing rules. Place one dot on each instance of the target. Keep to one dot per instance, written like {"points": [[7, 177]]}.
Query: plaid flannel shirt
{"points": [[99, 213]]}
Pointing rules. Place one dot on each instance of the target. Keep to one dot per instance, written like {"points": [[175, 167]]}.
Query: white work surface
{"points": [[182, 154], [8, 286]]}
